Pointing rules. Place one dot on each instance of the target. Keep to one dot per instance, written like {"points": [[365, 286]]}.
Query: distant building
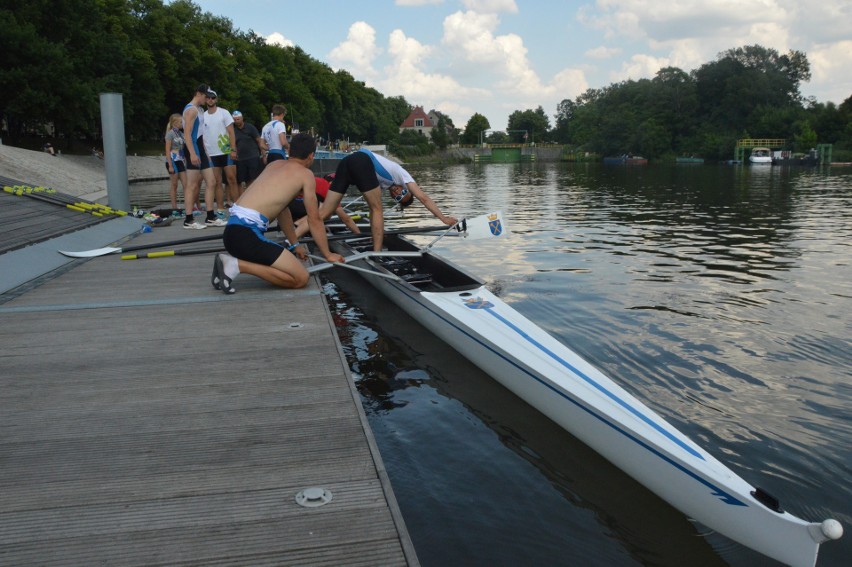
{"points": [[418, 121]]}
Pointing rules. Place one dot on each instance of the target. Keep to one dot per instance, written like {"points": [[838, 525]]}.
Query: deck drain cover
{"points": [[313, 497], [296, 325]]}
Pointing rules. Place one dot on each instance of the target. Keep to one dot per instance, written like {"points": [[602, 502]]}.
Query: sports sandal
{"points": [[226, 284]]}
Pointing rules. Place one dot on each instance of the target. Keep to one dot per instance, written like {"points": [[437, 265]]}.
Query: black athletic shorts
{"points": [[221, 160], [297, 209], [178, 166], [248, 169], [355, 169], [244, 243], [202, 155]]}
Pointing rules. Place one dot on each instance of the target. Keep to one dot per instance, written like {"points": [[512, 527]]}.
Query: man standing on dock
{"points": [[198, 164], [249, 146], [249, 251], [221, 147]]}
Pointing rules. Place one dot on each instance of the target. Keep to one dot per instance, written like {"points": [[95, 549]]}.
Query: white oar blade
{"points": [[490, 225], [90, 253]]}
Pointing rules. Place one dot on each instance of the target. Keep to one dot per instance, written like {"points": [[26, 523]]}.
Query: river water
{"points": [[720, 296]]}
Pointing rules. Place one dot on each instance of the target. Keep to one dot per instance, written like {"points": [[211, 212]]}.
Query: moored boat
{"points": [[458, 308], [625, 159], [689, 160], [760, 156]]}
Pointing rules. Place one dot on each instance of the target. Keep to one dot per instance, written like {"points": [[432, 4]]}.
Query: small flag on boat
{"points": [[490, 225]]}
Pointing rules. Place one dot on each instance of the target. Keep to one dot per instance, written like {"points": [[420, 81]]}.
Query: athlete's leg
{"points": [[373, 198]]}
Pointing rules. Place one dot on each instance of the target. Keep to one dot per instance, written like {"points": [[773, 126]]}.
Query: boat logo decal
{"points": [[478, 303], [495, 225]]}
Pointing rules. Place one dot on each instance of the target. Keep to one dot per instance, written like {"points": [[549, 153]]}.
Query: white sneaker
{"points": [[194, 225], [215, 222]]}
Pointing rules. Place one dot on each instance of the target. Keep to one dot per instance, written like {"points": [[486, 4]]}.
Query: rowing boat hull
{"points": [[588, 404]]}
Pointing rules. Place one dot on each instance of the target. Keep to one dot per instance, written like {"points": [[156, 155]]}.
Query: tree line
{"points": [[747, 92], [58, 57]]}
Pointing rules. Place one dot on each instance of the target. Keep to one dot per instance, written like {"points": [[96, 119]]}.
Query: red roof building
{"points": [[417, 120]]}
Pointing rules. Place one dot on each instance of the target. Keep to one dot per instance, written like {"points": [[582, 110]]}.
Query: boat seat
{"points": [[418, 279]]}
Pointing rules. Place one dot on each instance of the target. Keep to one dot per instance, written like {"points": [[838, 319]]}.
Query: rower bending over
{"points": [[371, 173], [268, 198]]}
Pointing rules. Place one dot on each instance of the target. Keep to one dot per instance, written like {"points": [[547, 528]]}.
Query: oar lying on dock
{"points": [[218, 236], [169, 253], [112, 250]]}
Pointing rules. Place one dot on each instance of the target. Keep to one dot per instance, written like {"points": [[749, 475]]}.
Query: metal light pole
{"points": [[115, 152]]}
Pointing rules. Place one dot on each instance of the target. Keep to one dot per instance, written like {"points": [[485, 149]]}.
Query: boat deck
{"points": [[149, 419]]}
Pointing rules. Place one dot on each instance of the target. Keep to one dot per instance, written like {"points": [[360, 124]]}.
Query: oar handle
{"points": [[205, 238], [168, 253]]}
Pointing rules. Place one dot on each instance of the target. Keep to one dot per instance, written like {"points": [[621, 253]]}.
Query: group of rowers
{"points": [[283, 182]]}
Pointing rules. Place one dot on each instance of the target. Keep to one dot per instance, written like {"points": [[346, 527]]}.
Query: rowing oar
{"points": [[110, 250], [411, 230], [168, 253], [54, 198], [388, 254]]}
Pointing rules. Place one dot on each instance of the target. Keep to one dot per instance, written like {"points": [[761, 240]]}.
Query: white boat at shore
{"points": [[760, 156], [458, 308]]}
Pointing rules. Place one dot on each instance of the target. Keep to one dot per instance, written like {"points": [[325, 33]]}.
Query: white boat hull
{"points": [[585, 402]]}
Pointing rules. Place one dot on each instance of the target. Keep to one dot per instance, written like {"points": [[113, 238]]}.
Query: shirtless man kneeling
{"points": [[249, 251]]}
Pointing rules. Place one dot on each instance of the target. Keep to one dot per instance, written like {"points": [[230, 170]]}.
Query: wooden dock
{"points": [[148, 419]]}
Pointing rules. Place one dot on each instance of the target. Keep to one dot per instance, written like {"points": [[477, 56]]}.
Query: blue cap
{"points": [[236, 113]]}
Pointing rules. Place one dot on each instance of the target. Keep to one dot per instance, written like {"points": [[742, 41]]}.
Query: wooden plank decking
{"points": [[148, 419]]}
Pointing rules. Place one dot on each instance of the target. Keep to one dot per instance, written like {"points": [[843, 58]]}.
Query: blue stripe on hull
{"points": [[716, 491]]}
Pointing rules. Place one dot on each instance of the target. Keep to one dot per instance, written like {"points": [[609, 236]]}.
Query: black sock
{"points": [[211, 215], [188, 219]]}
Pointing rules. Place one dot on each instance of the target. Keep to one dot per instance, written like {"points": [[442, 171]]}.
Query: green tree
{"points": [[534, 123], [805, 137], [674, 101], [476, 125], [439, 135], [736, 88], [564, 114]]}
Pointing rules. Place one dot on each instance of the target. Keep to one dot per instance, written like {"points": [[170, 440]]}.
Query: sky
{"points": [[494, 57]]}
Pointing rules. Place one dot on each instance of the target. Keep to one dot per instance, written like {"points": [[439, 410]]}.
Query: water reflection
{"points": [[553, 498], [718, 295]]}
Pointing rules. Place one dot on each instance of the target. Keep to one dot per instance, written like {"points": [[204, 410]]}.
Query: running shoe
{"points": [[215, 222], [194, 225]]}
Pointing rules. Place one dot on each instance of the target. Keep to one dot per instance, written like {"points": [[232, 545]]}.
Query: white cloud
{"points": [[278, 39], [470, 35], [405, 75], [831, 71], [640, 66], [603, 52], [491, 6], [357, 52], [569, 83]]}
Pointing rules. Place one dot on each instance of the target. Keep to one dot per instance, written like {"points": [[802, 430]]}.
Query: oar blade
{"points": [[90, 253]]}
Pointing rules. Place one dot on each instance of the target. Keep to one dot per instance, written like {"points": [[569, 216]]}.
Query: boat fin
{"points": [[767, 500]]}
